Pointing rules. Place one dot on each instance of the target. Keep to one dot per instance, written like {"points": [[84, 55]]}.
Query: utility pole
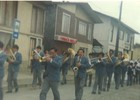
{"points": [[118, 31]]}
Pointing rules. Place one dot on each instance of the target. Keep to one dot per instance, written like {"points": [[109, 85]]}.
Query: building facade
{"points": [[106, 34], [31, 16], [69, 25], [136, 52]]}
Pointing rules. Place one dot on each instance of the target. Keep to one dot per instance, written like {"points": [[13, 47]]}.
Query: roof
{"points": [[85, 6], [96, 43], [122, 25]]}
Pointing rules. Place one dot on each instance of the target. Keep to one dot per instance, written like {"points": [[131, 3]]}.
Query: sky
{"points": [[130, 11]]}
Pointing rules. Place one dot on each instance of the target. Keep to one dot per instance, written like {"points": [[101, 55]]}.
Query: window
{"points": [[75, 28], [37, 22], [128, 38], [112, 33], [8, 11], [121, 35], [82, 28], [66, 23], [90, 32]]}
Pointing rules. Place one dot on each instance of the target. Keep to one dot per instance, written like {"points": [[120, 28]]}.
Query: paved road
{"points": [[67, 93]]}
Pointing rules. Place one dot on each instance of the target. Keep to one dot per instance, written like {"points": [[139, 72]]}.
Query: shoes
{"points": [[9, 92]]}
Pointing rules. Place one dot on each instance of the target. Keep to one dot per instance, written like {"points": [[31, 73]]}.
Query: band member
{"points": [[134, 72], [81, 63], [110, 69], [99, 73], [124, 70], [138, 73], [90, 74], [129, 74], [65, 67], [37, 66], [51, 75], [118, 71], [13, 69], [2, 60]]}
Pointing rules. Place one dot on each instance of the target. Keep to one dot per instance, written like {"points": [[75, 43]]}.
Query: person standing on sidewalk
{"points": [[13, 69], [51, 75], [2, 60], [37, 66], [82, 63]]}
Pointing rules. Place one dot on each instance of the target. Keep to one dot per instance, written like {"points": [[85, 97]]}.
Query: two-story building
{"points": [[48, 24], [31, 16], [70, 25], [106, 34]]}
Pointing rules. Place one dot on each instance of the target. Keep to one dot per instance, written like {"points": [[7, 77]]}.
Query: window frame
{"points": [[62, 28], [83, 33]]}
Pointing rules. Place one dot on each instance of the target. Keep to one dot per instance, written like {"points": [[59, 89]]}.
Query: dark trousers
{"points": [[79, 85], [108, 80], [12, 80], [129, 79], [138, 77], [122, 78], [1, 90], [104, 86], [64, 74], [90, 79], [98, 83], [117, 77], [37, 76], [47, 84]]}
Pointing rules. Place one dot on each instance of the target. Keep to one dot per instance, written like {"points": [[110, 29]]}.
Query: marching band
{"points": [[105, 66]]}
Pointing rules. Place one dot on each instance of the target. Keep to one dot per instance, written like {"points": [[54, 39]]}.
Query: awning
{"points": [[96, 43]]}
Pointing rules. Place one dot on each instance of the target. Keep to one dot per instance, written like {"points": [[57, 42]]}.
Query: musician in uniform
{"points": [[65, 67], [129, 73], [13, 69], [2, 60], [138, 73], [51, 75], [99, 73], [37, 66], [81, 63], [110, 69], [89, 74], [118, 71]]}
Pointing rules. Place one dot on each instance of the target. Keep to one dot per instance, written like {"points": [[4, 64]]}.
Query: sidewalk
{"points": [[25, 79]]}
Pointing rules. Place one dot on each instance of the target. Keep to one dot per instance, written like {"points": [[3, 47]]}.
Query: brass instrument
{"points": [[10, 55], [39, 57], [75, 69], [125, 60]]}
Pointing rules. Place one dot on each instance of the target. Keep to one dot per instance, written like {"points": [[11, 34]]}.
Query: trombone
{"points": [[11, 56]]}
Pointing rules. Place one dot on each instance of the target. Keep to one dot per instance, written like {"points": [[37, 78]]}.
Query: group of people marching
{"points": [[105, 68], [14, 59]]}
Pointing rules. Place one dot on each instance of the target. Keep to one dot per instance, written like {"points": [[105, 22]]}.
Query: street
{"points": [[67, 93]]}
